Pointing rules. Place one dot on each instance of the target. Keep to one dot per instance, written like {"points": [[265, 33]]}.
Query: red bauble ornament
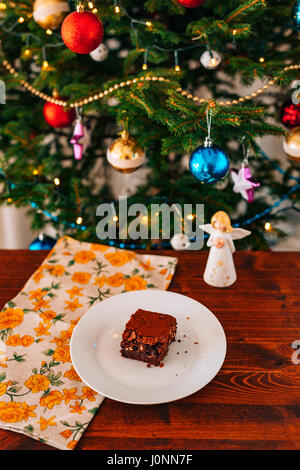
{"points": [[56, 116], [290, 114], [191, 3], [82, 32]]}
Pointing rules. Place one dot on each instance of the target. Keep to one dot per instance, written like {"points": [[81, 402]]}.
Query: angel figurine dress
{"points": [[220, 270]]}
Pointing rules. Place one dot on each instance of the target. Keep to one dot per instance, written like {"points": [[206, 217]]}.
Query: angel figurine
{"points": [[220, 270]]}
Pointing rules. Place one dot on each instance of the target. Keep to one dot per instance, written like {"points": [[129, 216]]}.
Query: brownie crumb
{"points": [[196, 342], [185, 351], [161, 364], [187, 318], [148, 365], [179, 340], [177, 353]]}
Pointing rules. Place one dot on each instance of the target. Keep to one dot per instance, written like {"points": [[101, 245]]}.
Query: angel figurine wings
{"points": [[220, 270]]}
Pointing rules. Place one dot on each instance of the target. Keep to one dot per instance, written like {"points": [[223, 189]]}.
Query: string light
{"points": [[49, 32], [79, 220], [27, 52], [3, 6], [147, 23], [268, 227], [115, 218], [145, 65], [117, 7], [239, 224], [177, 66], [56, 181], [246, 222], [35, 172]]}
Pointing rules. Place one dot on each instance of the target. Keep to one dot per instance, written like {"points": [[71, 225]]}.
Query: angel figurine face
{"points": [[220, 269], [220, 221]]}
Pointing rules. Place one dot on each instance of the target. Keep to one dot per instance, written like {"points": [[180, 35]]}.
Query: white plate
{"points": [[95, 349]]}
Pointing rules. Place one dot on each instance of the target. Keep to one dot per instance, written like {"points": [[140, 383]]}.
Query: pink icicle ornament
{"points": [[77, 135]]}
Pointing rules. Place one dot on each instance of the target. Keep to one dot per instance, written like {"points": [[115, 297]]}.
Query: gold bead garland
{"points": [[83, 101], [101, 94], [252, 95]]}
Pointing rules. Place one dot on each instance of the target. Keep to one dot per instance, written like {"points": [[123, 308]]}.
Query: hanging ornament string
{"points": [[243, 181], [209, 163], [154, 78], [208, 140], [77, 136], [246, 151]]}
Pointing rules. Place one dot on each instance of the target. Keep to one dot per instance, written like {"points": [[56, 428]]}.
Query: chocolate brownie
{"points": [[147, 336]]}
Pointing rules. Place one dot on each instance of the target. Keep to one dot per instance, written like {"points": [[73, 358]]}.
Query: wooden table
{"points": [[254, 401]]}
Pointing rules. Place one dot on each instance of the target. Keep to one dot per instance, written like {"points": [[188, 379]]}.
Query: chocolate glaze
{"points": [[151, 324]]}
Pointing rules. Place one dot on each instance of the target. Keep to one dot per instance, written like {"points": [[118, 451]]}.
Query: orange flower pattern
{"points": [[116, 280], [55, 270], [75, 291], [44, 423], [135, 283], [100, 281], [37, 383], [10, 318], [41, 394], [84, 256], [119, 258], [15, 412], [81, 278]]}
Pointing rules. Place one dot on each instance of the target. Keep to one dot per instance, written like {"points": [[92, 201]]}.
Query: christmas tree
{"points": [[120, 86]]}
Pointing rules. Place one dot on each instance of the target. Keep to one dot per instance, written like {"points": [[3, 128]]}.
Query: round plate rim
{"points": [[135, 402]]}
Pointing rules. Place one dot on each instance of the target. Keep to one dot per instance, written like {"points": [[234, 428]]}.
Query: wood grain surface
{"points": [[254, 401]]}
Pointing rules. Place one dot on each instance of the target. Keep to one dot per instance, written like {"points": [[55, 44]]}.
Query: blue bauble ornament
{"points": [[42, 242], [296, 15], [209, 163]]}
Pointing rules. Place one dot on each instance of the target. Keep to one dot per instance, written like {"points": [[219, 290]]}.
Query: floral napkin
{"points": [[41, 394]]}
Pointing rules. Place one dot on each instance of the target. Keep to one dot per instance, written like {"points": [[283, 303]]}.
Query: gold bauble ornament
{"points": [[125, 155], [49, 14], [291, 144]]}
